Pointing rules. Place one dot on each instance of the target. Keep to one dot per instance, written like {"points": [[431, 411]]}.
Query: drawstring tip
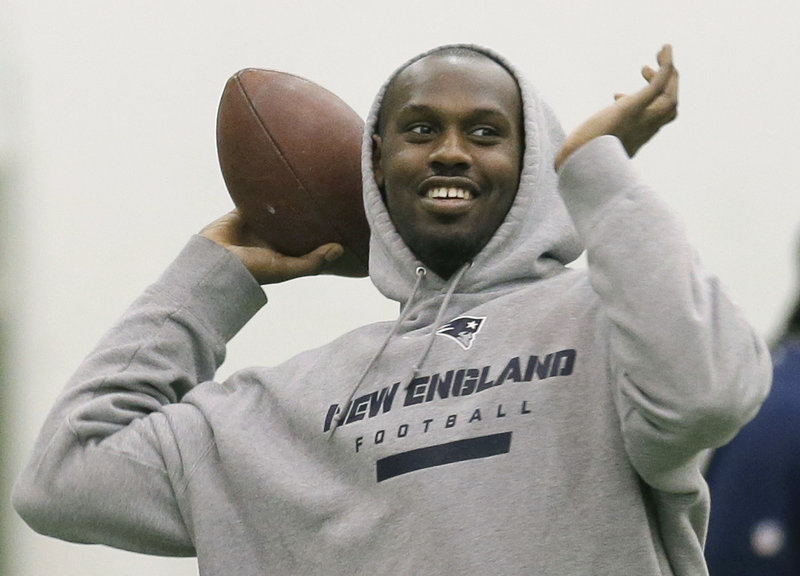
{"points": [[414, 374]]}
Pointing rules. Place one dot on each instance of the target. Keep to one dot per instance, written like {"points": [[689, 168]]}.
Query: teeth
{"points": [[459, 193]]}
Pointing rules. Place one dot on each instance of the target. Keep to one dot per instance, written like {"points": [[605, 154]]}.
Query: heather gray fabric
{"points": [[554, 426]]}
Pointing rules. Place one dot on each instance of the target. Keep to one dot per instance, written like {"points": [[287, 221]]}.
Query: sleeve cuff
{"points": [[212, 284]]}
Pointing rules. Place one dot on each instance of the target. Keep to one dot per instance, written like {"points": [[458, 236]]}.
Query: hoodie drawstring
{"points": [[438, 322], [421, 272]]}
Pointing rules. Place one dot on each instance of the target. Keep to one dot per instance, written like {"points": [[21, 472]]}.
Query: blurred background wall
{"points": [[108, 163]]}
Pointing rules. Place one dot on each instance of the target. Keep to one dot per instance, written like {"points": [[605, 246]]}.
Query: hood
{"points": [[536, 239]]}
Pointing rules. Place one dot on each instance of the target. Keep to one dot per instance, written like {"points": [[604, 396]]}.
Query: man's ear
{"points": [[377, 150]]}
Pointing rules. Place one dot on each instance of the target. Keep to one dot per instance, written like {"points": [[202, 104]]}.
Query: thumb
{"points": [[325, 255]]}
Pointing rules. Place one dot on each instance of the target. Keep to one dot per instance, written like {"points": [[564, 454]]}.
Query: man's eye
{"points": [[484, 132], [421, 129]]}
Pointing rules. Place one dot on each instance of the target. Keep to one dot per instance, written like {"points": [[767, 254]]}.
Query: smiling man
{"points": [[447, 154], [519, 416]]}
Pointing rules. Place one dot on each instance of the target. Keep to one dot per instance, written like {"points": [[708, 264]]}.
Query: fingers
{"points": [[269, 267], [264, 263], [664, 56], [671, 90], [220, 229], [666, 103], [315, 261], [231, 229], [658, 101], [666, 78], [633, 118]]}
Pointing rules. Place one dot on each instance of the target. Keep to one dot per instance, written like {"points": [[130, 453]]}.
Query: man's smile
{"points": [[459, 193], [447, 202]]}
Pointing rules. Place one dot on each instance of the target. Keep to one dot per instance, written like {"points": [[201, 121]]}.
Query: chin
{"points": [[447, 252]]}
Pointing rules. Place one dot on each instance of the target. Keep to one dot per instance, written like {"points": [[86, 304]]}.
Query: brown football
{"points": [[290, 155]]}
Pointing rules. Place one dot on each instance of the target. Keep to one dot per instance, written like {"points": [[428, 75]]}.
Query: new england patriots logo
{"points": [[463, 330]]}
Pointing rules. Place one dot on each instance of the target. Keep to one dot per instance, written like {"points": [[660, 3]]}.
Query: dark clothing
{"points": [[754, 528]]}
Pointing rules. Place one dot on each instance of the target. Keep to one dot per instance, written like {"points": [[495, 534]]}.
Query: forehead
{"points": [[454, 80]]}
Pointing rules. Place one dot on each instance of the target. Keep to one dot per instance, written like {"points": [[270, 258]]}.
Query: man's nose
{"points": [[451, 151]]}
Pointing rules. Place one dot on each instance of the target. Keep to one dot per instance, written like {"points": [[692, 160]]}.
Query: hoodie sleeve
{"points": [[689, 370], [106, 467]]}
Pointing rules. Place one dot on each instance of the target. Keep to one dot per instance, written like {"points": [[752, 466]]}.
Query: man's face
{"points": [[448, 155]]}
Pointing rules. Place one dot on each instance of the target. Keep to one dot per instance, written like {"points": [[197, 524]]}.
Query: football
{"points": [[290, 155]]}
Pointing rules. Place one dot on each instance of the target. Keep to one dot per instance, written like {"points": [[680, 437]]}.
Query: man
{"points": [[564, 439]]}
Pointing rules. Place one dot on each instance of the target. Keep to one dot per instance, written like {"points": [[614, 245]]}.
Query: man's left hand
{"points": [[633, 118]]}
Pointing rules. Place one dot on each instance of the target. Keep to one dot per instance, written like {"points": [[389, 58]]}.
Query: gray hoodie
{"points": [[522, 418]]}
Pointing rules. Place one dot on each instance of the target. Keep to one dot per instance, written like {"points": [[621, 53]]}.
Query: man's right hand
{"points": [[265, 264]]}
